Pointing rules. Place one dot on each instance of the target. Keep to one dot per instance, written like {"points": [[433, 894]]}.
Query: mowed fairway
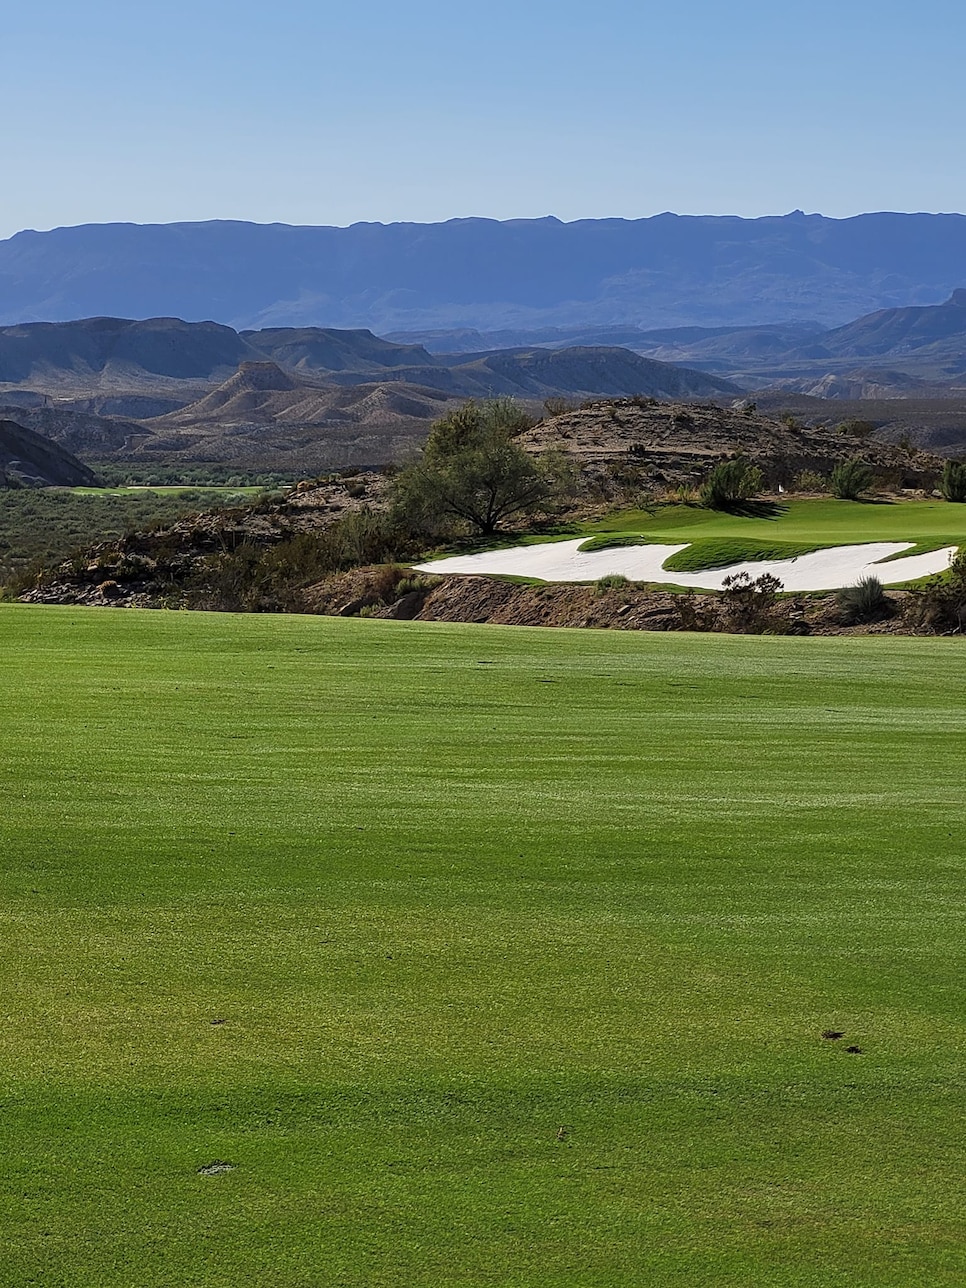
{"points": [[486, 956]]}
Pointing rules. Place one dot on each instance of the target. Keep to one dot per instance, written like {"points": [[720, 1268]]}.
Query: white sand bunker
{"points": [[822, 570]]}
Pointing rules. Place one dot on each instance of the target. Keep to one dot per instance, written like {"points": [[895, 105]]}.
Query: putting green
{"points": [[815, 521], [482, 955]]}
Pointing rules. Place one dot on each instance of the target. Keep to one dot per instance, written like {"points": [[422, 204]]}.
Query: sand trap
{"points": [[822, 570]]}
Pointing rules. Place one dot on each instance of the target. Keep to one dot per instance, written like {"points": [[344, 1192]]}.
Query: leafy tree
{"points": [[473, 472], [850, 479], [730, 483], [953, 482]]}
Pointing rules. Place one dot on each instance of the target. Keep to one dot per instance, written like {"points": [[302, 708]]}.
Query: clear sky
{"points": [[307, 111]]}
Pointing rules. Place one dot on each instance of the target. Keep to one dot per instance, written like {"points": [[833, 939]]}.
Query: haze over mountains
{"points": [[664, 271]]}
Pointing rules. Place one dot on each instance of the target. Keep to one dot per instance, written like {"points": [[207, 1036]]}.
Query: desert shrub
{"points": [[850, 479], [952, 485], [730, 483], [811, 481], [259, 578], [941, 604], [863, 602], [749, 604], [417, 584], [613, 581], [558, 406], [856, 428], [685, 494], [384, 582]]}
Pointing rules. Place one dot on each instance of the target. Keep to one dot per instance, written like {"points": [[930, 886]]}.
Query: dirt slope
{"points": [[28, 459]]}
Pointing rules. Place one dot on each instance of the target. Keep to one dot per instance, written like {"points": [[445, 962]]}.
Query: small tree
{"points": [[472, 472], [850, 479], [953, 482], [730, 483]]}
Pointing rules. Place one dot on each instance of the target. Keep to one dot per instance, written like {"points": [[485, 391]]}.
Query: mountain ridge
{"points": [[480, 273]]}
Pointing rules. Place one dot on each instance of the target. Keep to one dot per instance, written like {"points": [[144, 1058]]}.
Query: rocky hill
{"points": [[28, 459], [669, 445], [668, 270]]}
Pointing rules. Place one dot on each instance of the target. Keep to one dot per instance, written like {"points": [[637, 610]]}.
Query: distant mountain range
{"points": [[890, 353], [104, 354], [524, 275], [298, 399]]}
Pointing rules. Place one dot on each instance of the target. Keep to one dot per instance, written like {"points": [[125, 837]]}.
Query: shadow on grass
{"points": [[756, 509]]}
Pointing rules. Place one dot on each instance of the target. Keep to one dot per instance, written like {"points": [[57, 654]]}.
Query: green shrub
{"points": [[613, 581], [863, 602], [416, 585], [953, 482], [730, 483], [850, 479]]}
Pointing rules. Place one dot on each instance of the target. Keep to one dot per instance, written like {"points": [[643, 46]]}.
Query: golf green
{"points": [[342, 952]]}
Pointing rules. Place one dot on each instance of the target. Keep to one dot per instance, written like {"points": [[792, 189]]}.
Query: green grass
{"points": [[816, 522], [47, 525], [451, 889], [209, 494], [720, 552], [718, 540]]}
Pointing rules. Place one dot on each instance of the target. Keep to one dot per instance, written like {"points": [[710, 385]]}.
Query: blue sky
{"points": [[331, 113]]}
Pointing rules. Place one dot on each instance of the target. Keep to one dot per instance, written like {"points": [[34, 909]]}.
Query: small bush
{"points": [[850, 479], [416, 585], [941, 605], [811, 481], [952, 485], [730, 483], [384, 582], [749, 605], [613, 581], [863, 602]]}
